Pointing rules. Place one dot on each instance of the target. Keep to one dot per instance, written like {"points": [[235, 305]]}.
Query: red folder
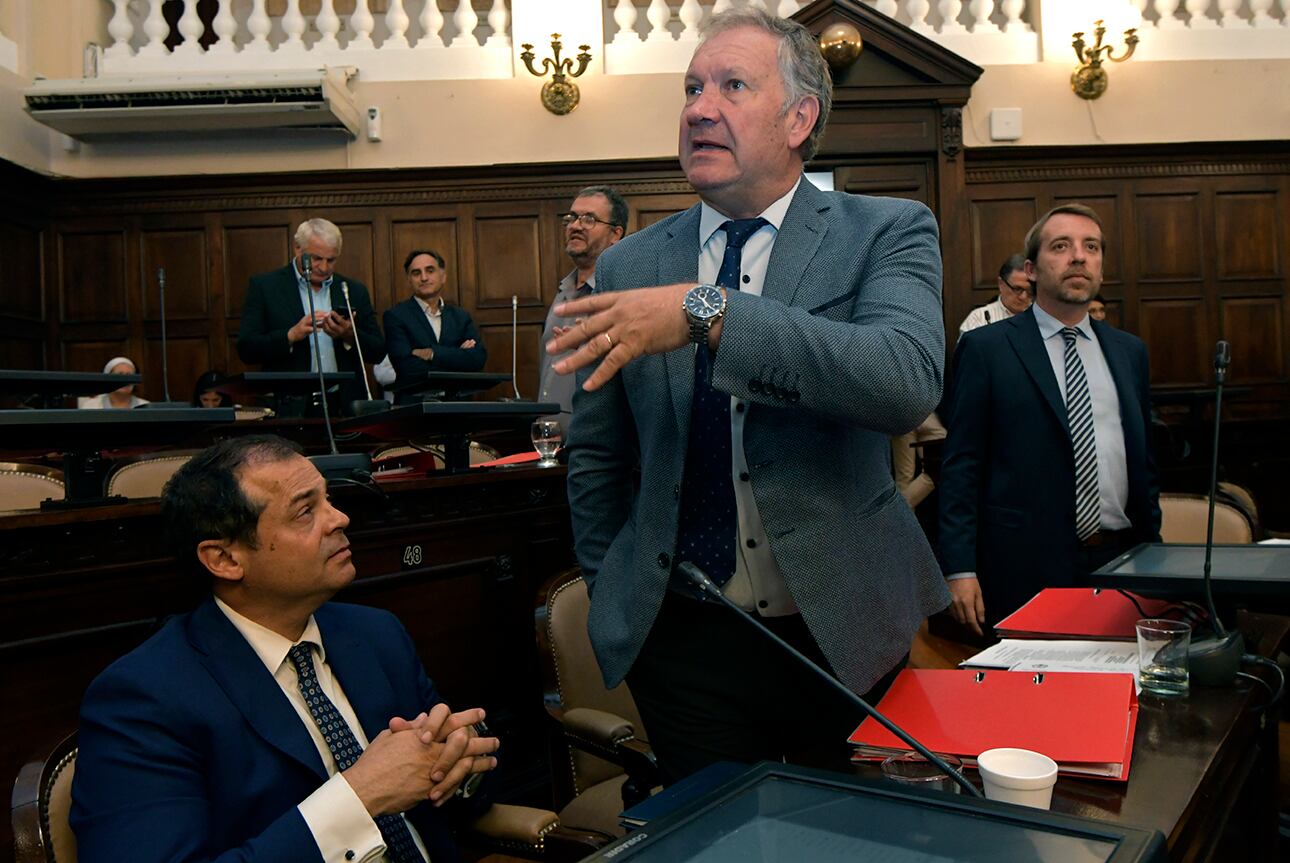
{"points": [[1082, 612], [1083, 721]]}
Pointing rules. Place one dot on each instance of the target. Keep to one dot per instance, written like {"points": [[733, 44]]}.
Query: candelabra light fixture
{"points": [[1089, 78], [559, 95]]}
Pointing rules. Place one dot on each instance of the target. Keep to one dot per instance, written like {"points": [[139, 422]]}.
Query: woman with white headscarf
{"points": [[122, 397]]}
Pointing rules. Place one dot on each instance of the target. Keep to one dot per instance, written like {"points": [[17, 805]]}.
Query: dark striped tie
{"points": [[708, 520], [1079, 415], [399, 844]]}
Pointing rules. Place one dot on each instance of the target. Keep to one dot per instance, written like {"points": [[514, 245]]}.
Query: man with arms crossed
{"points": [[748, 433], [269, 724], [1048, 472]]}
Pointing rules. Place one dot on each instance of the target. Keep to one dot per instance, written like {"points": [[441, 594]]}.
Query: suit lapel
{"points": [[1025, 340], [678, 261], [799, 237], [249, 685]]}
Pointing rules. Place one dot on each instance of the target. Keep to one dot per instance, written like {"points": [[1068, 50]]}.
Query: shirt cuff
{"points": [[956, 576], [340, 825]]}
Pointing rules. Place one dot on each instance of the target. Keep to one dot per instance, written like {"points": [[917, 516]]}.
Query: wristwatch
{"points": [[704, 305]]}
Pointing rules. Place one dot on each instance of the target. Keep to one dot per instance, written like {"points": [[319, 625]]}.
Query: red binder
{"points": [[1084, 722], [1082, 612]]}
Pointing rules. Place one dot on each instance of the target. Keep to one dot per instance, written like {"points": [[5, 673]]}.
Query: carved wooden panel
{"points": [[23, 353], [187, 358], [507, 260], [1245, 228], [1169, 239], [648, 209], [910, 180], [91, 276], [232, 363], [1174, 330], [248, 251], [1254, 326], [357, 260], [998, 230], [90, 356], [438, 235], [1107, 208], [20, 283], [183, 255]]}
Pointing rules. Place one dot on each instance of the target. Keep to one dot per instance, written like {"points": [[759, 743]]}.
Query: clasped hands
{"points": [[332, 323], [618, 326], [424, 758]]}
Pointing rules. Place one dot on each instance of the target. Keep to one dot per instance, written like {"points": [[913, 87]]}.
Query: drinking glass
{"points": [[547, 437], [1162, 656]]}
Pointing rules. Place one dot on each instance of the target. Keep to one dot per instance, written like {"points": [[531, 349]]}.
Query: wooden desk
{"points": [[1204, 768], [458, 558]]}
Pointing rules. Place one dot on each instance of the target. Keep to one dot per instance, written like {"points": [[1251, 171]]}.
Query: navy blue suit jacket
{"points": [[1007, 484], [189, 750], [407, 328]]}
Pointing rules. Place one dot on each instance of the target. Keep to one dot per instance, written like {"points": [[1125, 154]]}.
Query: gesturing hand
{"points": [[617, 327]]}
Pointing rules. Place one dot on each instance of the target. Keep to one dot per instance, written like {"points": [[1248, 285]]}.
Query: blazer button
{"points": [[794, 397], [754, 385], [752, 543], [676, 492], [664, 561], [740, 407], [743, 476]]}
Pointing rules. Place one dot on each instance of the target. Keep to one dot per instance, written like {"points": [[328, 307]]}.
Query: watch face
{"points": [[704, 301]]}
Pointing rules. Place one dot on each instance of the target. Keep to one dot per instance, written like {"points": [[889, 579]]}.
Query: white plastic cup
{"points": [[1018, 776]]}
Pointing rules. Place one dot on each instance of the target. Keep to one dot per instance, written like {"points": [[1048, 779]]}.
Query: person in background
{"points": [[1097, 308], [206, 392], [1016, 293], [122, 397]]}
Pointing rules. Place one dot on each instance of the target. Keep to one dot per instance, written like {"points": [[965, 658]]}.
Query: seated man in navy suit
{"points": [[270, 723], [424, 333]]}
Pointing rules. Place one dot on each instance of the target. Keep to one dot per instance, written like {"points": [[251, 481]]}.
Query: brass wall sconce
{"points": [[559, 95], [1089, 78], [840, 45]]}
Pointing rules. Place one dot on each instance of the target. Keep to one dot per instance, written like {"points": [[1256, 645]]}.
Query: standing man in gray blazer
{"points": [[745, 364]]}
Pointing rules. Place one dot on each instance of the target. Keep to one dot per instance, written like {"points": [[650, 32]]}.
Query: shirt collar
{"points": [[425, 307], [267, 644], [304, 283], [1050, 326], [710, 219]]}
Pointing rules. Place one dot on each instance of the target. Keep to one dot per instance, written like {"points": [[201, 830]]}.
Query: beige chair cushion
{"points": [[145, 478], [57, 809], [1184, 518], [22, 489]]}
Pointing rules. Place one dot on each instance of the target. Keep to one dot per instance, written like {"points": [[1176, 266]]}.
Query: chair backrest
{"points": [[1184, 518], [41, 804], [572, 674], [24, 486], [145, 475]]}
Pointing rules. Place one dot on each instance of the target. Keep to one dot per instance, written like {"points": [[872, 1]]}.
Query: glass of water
{"points": [[1162, 656], [547, 437]]}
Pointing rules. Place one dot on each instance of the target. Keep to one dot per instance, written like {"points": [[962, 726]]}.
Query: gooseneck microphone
{"points": [[706, 585], [165, 363], [1215, 661], [515, 306], [371, 405]]}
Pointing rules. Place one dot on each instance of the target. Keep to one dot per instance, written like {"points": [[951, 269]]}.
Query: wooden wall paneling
{"points": [[1170, 245], [1253, 326], [508, 257], [357, 259], [1173, 329], [910, 179], [555, 263], [648, 209], [253, 242], [187, 358], [182, 251], [92, 280], [90, 355], [998, 229], [20, 278], [1245, 228]]}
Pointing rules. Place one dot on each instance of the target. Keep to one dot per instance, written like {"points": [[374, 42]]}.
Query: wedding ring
{"points": [[609, 339]]}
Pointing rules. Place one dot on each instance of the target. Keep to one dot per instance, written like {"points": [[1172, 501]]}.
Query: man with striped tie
{"points": [[745, 365], [1048, 472]]}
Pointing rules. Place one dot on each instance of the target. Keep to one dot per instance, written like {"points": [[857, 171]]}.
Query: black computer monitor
{"points": [[1256, 575], [778, 812]]}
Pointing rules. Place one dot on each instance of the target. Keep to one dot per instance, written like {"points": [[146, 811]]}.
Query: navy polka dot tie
{"points": [[399, 844], [706, 534]]}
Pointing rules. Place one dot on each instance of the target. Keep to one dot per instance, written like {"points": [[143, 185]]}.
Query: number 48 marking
{"points": [[412, 555]]}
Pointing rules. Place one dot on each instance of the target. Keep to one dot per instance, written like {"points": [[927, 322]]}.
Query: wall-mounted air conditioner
{"points": [[89, 108]]}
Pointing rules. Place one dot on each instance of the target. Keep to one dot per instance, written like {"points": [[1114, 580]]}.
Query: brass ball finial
{"points": [[840, 44]]}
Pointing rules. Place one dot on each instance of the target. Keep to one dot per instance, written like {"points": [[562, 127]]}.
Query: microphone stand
{"points": [[1215, 661], [335, 465], [371, 405], [165, 365], [705, 584], [515, 305]]}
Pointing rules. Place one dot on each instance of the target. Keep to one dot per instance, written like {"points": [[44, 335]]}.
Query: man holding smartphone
{"points": [[277, 324]]}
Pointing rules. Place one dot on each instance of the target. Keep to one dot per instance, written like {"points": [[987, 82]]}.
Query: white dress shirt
{"points": [[1108, 428], [334, 815], [990, 313], [434, 314], [757, 583]]}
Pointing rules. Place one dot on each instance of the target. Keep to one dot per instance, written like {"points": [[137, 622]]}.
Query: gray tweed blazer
{"points": [[844, 349]]}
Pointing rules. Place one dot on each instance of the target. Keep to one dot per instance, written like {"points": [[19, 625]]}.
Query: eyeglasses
{"points": [[587, 220]]}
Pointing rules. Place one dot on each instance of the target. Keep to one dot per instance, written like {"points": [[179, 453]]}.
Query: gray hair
{"points": [[801, 67], [320, 228]]}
